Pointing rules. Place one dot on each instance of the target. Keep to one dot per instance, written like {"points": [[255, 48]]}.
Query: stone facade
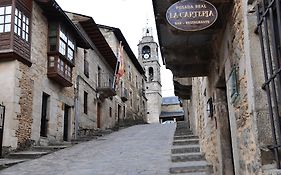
{"points": [[69, 111], [135, 106], [235, 128]]}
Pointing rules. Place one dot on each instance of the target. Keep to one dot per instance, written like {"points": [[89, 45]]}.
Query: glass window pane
{"points": [[16, 21], [8, 10], [18, 31], [27, 29], [27, 21], [1, 19], [15, 29], [8, 19], [23, 35], [2, 10], [1, 28], [7, 27], [62, 47], [70, 54], [17, 12], [26, 37]]}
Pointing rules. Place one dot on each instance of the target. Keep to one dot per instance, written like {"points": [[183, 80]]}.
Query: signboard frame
{"points": [[191, 15]]}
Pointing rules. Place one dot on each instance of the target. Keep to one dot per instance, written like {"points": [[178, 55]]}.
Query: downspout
{"points": [[76, 107]]}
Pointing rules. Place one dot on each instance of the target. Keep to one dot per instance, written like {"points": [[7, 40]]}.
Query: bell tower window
{"points": [[150, 74], [146, 52]]}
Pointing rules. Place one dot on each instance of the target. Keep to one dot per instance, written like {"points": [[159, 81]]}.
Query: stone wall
{"points": [[234, 51], [8, 77], [58, 96], [23, 133]]}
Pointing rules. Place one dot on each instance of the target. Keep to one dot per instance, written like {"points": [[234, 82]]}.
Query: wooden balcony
{"points": [[60, 70], [14, 42], [124, 95], [105, 86]]}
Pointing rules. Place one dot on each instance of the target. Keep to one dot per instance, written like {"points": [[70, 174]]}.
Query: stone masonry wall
{"points": [[231, 52], [23, 132]]}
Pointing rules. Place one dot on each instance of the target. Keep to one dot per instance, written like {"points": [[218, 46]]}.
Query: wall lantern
{"points": [[210, 108]]}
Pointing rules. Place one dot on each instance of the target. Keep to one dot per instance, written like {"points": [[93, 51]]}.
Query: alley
{"points": [[142, 150]]}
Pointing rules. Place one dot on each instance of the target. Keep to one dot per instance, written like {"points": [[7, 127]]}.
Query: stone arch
{"points": [[146, 49]]}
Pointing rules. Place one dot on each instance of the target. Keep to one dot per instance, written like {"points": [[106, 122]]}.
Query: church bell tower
{"points": [[148, 57]]}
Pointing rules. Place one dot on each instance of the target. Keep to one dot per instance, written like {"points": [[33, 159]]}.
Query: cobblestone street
{"points": [[140, 150]]}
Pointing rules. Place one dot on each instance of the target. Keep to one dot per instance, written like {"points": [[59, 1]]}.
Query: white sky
{"points": [[131, 16]]}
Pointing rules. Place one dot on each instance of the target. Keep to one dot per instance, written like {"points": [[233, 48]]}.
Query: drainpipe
{"points": [[76, 107]]}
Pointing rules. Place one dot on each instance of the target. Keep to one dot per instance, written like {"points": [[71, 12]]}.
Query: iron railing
{"points": [[269, 30]]}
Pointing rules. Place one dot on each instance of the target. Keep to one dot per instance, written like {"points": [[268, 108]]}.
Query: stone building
{"points": [[228, 76], [38, 55], [56, 75], [130, 88], [148, 57], [171, 109]]}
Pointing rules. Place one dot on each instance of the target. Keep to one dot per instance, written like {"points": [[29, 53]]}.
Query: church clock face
{"points": [[146, 56]]}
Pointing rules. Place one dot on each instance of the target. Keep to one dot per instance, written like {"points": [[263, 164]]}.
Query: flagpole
{"points": [[117, 65]]}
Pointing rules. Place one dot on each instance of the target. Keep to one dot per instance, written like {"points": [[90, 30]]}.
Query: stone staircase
{"points": [[186, 157]]}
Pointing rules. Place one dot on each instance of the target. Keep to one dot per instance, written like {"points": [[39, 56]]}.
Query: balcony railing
{"points": [[60, 70], [106, 85], [124, 94]]}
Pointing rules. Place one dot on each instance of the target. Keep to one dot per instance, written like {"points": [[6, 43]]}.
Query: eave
{"points": [[188, 54]]}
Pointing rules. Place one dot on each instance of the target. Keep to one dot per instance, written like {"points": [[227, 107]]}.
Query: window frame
{"points": [[21, 24], [85, 103], [4, 16]]}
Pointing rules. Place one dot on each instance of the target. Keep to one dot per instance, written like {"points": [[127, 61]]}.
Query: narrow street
{"points": [[142, 150]]}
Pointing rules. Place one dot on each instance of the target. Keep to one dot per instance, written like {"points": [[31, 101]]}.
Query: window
{"points": [[66, 45], [110, 111], [150, 74], [99, 77], [52, 37], [5, 19], [86, 65], [85, 102], [130, 76], [21, 25], [131, 97]]}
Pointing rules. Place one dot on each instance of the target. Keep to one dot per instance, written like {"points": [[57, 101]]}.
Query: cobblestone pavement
{"points": [[138, 150]]}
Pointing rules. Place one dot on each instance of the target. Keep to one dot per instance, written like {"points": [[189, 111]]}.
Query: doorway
{"points": [[99, 115], [225, 150], [44, 115], [66, 123], [118, 113]]}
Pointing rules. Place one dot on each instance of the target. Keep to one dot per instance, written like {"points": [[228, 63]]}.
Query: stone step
{"points": [[28, 154], [49, 148], [194, 173], [186, 142], [185, 137], [5, 163], [183, 133], [185, 149], [187, 157], [191, 167]]}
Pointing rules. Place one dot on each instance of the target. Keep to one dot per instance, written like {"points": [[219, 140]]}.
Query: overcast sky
{"points": [[131, 16]]}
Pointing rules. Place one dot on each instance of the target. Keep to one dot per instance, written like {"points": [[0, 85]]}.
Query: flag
{"points": [[120, 71]]}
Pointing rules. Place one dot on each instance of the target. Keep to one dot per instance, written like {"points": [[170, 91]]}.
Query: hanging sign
{"points": [[192, 15]]}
